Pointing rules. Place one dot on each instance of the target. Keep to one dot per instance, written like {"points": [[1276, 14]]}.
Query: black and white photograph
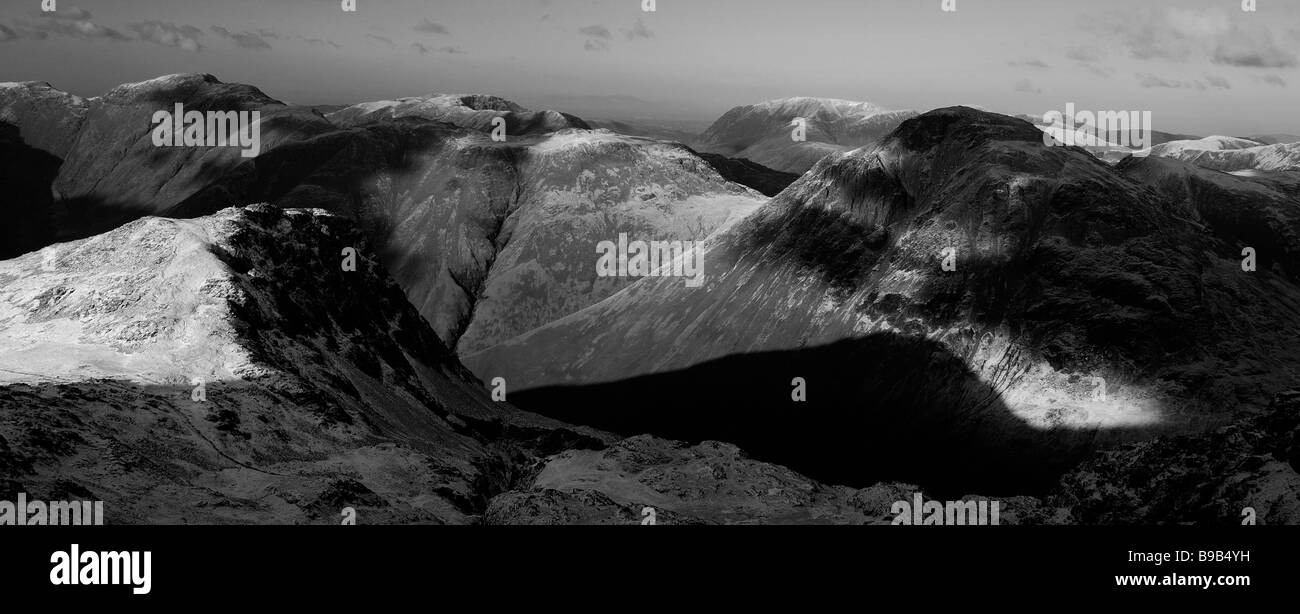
{"points": [[1029, 264]]}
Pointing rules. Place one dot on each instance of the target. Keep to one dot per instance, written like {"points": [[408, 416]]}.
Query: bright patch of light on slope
{"points": [[1047, 407]]}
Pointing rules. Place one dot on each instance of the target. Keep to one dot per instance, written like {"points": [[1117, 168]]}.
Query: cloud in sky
{"points": [[639, 31], [1150, 81], [169, 34], [431, 27], [1099, 71], [596, 31], [1181, 35], [1027, 86], [245, 40], [1218, 82], [383, 39], [449, 50], [1084, 53], [74, 13], [76, 28], [1029, 63], [1252, 47], [322, 42]]}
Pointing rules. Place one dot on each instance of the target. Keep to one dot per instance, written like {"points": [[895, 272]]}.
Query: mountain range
{"points": [[392, 309], [1086, 304]]}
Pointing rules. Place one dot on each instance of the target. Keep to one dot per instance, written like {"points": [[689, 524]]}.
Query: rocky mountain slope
{"points": [[763, 132], [1252, 209], [661, 131], [475, 112], [230, 369], [1173, 149], [113, 173], [1081, 307], [50, 118], [489, 239], [1280, 157]]}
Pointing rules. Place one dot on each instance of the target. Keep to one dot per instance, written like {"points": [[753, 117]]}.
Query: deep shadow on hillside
{"points": [[25, 177], [750, 174], [884, 407]]}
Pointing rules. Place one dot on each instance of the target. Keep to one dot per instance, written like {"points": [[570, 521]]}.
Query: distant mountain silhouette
{"points": [[764, 132]]}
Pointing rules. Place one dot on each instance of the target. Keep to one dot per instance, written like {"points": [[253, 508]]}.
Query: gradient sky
{"points": [[1200, 66]]}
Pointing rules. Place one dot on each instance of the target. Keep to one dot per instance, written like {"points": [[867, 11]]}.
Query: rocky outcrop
{"points": [[707, 483], [1247, 471]]}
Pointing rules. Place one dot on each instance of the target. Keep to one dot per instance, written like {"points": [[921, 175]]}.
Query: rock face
{"points": [[1206, 479], [763, 132], [489, 239], [228, 369], [1081, 306]]}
